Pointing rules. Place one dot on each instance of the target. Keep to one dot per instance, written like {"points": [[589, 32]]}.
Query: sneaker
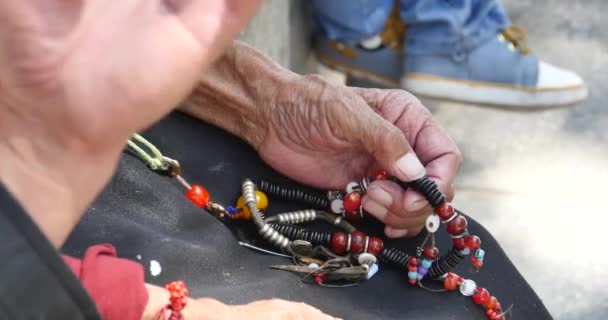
{"points": [[377, 59], [502, 71]]}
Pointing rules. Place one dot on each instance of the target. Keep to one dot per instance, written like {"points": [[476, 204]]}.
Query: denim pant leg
{"points": [[351, 19], [450, 26]]}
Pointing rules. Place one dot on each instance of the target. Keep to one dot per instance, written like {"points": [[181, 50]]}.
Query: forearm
{"points": [[239, 91]]}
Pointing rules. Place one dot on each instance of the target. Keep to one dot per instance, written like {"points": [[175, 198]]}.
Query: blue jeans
{"points": [[434, 26]]}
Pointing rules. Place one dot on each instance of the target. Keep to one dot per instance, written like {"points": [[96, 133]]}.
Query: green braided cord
{"points": [[154, 163], [148, 144]]}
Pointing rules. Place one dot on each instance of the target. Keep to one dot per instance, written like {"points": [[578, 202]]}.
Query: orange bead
{"points": [[450, 283], [491, 302], [198, 195]]}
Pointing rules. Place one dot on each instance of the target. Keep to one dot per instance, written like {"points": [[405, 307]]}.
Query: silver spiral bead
{"points": [[249, 192], [274, 237], [295, 217]]}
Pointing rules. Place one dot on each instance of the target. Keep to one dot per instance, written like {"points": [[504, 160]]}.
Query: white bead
{"points": [[337, 206], [367, 258], [465, 251], [468, 287], [313, 266], [351, 187], [432, 223]]}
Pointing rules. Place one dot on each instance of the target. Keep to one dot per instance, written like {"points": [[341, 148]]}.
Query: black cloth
{"points": [[35, 283], [146, 216]]}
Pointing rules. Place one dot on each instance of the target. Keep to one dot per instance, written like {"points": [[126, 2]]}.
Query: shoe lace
{"points": [[517, 36], [394, 29]]}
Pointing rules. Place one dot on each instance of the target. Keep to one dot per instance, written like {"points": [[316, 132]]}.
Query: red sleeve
{"points": [[116, 285]]}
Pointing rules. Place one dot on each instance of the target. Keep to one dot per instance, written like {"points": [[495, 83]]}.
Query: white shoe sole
{"points": [[492, 93]]}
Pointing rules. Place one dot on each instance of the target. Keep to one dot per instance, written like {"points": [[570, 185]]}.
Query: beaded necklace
{"points": [[343, 258]]}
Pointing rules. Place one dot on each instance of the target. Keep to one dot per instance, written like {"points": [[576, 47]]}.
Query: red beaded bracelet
{"points": [[177, 301]]}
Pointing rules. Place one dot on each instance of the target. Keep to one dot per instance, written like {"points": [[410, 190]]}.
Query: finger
{"points": [[413, 202], [388, 196], [387, 144], [440, 156], [402, 233], [409, 223], [432, 145]]}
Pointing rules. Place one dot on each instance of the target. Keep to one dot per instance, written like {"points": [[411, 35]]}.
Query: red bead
{"points": [[473, 242], [357, 242], [319, 279], [450, 283], [478, 264], [198, 195], [352, 216], [431, 252], [445, 211], [491, 302], [375, 246], [352, 202], [412, 268], [459, 243], [413, 261], [380, 175], [457, 226], [412, 281], [481, 296], [491, 314], [339, 241]]}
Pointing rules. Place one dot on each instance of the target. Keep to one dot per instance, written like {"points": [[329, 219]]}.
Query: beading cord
{"points": [[293, 194], [156, 162]]}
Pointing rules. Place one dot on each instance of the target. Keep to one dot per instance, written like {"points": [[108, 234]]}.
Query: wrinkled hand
{"points": [[77, 77], [327, 135]]}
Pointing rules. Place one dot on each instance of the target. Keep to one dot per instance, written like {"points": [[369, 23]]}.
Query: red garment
{"points": [[116, 285]]}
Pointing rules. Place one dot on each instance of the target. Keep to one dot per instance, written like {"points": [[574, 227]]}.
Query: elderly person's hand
{"points": [[327, 135]]}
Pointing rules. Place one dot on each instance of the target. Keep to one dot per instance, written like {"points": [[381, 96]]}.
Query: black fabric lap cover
{"points": [[148, 219]]}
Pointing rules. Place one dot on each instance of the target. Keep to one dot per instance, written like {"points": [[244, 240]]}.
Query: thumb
{"points": [[389, 146]]}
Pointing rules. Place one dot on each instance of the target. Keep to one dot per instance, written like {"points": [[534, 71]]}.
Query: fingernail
{"points": [[394, 233], [410, 167], [374, 208], [379, 195]]}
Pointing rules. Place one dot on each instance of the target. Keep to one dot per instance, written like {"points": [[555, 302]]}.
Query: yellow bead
{"points": [[262, 200]]}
